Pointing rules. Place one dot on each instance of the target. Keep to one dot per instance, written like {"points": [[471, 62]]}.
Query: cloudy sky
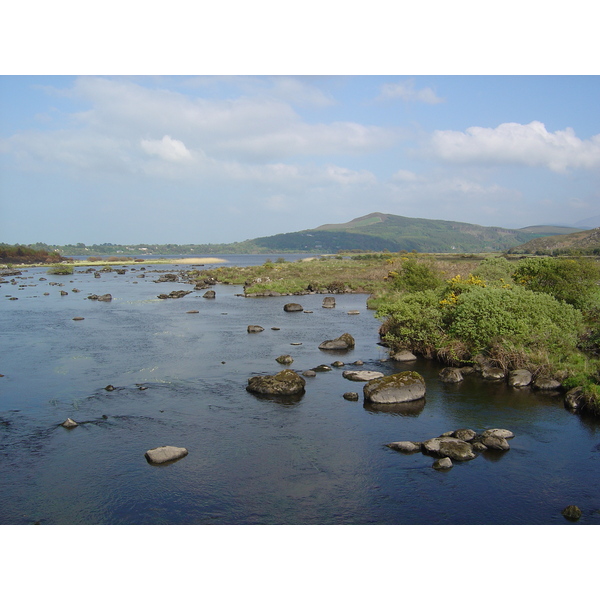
{"points": [[159, 159]]}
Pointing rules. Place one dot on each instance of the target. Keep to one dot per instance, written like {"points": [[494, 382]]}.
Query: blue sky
{"points": [[211, 159]]}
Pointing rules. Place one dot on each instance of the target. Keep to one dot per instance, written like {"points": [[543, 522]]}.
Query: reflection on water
{"points": [[180, 379]]}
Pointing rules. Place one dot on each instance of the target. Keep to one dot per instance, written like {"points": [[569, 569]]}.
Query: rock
{"points": [[75, 291], [308, 312], [574, 399], [110, 388], [344, 342], [442, 464], [329, 302], [173, 294], [502, 433], [351, 396], [450, 447], [571, 512], [337, 363], [479, 447], [276, 328], [493, 442], [493, 373], [358, 363], [63, 293], [293, 307], [322, 368], [405, 447], [450, 375], [544, 383], [255, 328], [403, 356], [362, 375], [78, 318], [519, 378], [210, 295], [467, 370], [354, 312], [309, 373], [69, 423], [164, 454], [399, 387], [285, 359], [192, 312], [105, 298], [466, 435], [285, 383]]}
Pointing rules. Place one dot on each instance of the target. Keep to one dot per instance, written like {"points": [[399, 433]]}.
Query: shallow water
{"points": [[318, 460]]}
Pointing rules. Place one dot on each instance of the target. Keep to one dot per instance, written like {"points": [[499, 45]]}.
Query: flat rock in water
{"points": [[165, 454], [399, 387], [309, 373], [493, 442], [403, 356], [255, 328], [362, 375], [405, 447], [502, 433]]}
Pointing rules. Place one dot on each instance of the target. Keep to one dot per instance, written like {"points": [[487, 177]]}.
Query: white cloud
{"points": [[513, 143], [405, 90], [404, 175], [167, 148]]}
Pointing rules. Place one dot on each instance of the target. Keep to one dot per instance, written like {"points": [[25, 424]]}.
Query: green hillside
{"points": [[377, 232], [582, 242]]}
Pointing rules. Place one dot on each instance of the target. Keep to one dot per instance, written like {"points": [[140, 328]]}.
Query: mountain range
{"points": [[377, 232]]}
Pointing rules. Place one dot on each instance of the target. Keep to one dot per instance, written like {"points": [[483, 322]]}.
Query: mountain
{"points": [[376, 232], [590, 223], [582, 242]]}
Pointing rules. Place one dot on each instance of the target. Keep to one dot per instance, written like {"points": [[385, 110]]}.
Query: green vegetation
{"points": [[541, 314], [60, 270], [26, 255]]}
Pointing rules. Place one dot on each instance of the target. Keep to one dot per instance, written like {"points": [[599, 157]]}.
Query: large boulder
{"points": [[293, 307], [362, 375], [164, 454], [399, 387], [344, 342], [449, 446], [519, 378], [285, 383]]}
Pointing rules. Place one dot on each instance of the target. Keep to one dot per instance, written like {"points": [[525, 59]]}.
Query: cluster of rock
{"points": [[103, 298], [516, 378], [459, 445], [175, 294]]}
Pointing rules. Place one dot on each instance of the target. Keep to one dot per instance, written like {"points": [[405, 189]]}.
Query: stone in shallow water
{"points": [[399, 387], [405, 447], [164, 454], [571, 512], [362, 375], [442, 464], [69, 423]]}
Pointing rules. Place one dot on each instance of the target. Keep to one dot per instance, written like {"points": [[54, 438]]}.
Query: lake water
{"points": [[319, 460]]}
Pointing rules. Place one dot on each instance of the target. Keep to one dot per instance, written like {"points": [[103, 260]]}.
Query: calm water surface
{"points": [[319, 460]]}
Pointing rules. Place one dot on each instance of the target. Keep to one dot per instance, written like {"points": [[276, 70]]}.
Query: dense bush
{"points": [[416, 276], [573, 280]]}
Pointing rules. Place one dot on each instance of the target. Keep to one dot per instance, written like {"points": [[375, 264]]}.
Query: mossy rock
{"points": [[399, 387], [285, 383]]}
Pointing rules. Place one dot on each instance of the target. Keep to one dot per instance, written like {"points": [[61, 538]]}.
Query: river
{"points": [[180, 380]]}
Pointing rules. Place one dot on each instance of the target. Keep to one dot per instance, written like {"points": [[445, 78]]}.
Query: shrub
{"points": [[481, 316], [495, 271], [416, 276], [573, 280], [60, 270]]}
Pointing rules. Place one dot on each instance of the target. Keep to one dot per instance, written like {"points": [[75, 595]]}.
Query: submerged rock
{"points": [[164, 454], [344, 342], [399, 387], [572, 512], [451, 375], [285, 383]]}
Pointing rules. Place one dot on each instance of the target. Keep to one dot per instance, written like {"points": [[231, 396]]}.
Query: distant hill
{"points": [[582, 242], [552, 229], [378, 231]]}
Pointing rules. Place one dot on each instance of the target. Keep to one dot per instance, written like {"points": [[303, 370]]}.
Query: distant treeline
{"points": [[19, 254]]}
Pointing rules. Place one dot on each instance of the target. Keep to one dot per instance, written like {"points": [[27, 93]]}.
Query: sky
{"points": [[226, 156]]}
